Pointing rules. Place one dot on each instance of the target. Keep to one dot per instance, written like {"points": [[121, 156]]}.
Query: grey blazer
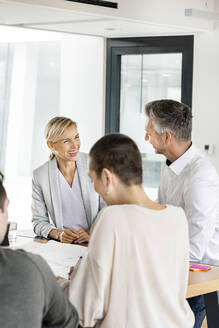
{"points": [[46, 200]]}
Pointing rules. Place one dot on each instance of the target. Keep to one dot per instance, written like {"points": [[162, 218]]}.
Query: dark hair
{"points": [[170, 115], [3, 194], [120, 154]]}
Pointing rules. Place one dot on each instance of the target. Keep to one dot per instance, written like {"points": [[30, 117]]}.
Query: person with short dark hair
{"points": [[188, 180], [30, 295], [135, 272]]}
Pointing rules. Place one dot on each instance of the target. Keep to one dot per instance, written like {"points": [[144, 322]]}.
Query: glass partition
{"points": [[145, 78], [5, 67], [33, 98]]}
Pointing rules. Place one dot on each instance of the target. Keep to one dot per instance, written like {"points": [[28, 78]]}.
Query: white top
{"points": [[73, 211], [135, 272], [192, 183]]}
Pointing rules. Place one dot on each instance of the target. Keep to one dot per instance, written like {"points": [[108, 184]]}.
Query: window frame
{"points": [[117, 47]]}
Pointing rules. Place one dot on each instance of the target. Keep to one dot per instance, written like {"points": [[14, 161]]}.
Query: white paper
{"points": [[60, 257]]}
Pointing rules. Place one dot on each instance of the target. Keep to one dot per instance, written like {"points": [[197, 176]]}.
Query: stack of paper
{"points": [[60, 257]]}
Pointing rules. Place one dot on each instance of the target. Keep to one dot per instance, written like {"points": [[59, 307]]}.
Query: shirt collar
{"points": [[178, 165]]}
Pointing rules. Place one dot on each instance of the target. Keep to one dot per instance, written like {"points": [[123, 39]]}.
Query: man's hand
{"points": [[83, 237]]}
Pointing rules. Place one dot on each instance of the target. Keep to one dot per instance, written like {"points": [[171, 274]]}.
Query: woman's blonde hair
{"points": [[55, 128]]}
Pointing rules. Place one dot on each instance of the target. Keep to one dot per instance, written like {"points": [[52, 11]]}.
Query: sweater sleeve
{"points": [[58, 311], [90, 283]]}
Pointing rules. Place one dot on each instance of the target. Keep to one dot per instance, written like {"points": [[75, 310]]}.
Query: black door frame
{"points": [[147, 45]]}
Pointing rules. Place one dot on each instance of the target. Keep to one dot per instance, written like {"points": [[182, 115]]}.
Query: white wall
{"points": [[206, 92], [82, 86]]}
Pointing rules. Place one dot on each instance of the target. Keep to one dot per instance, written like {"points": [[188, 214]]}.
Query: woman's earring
{"points": [[107, 192]]}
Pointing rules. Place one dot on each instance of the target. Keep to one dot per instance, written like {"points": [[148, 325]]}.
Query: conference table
{"points": [[206, 283], [200, 283]]}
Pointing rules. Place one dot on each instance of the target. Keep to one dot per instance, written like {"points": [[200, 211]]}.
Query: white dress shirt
{"points": [[192, 183]]}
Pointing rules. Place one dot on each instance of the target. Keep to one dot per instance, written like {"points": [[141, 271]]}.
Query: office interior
{"points": [[53, 61]]}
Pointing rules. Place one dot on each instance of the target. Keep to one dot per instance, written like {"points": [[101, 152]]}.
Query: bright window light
{"points": [[10, 34]]}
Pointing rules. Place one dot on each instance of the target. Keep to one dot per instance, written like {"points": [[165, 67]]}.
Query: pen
{"points": [[73, 268], [79, 260], [80, 257]]}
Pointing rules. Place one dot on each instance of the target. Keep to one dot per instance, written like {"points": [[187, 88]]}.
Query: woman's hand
{"points": [[70, 271], [82, 238], [64, 236], [69, 235]]}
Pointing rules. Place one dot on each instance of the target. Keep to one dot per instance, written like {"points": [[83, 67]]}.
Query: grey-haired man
{"points": [[188, 180]]}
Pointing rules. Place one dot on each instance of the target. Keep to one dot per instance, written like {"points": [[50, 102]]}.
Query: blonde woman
{"points": [[64, 202]]}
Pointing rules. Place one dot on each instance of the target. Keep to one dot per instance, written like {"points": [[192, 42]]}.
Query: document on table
{"points": [[59, 256]]}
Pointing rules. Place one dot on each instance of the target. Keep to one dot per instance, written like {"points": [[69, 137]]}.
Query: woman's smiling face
{"points": [[68, 144]]}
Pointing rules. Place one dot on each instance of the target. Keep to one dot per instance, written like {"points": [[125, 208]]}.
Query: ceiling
{"points": [[60, 20]]}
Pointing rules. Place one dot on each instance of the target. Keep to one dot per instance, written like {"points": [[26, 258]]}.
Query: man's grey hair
{"points": [[172, 116]]}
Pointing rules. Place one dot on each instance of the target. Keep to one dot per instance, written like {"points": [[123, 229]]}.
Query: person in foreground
{"points": [[188, 180], [135, 272], [62, 189], [30, 295]]}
